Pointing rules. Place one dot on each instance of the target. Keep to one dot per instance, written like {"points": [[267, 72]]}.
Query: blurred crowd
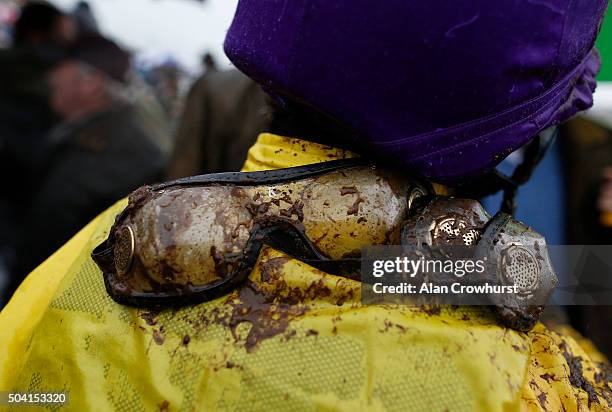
{"points": [[81, 127]]}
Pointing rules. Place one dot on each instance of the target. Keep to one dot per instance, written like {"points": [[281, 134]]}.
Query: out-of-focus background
{"points": [[99, 97], [156, 30]]}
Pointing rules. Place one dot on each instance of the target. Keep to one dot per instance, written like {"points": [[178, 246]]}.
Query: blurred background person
{"points": [[41, 23], [166, 80], [40, 32], [224, 113], [101, 151], [85, 19], [9, 11], [586, 149], [209, 64]]}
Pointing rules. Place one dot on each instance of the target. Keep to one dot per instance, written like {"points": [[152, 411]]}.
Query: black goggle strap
{"points": [[534, 153]]}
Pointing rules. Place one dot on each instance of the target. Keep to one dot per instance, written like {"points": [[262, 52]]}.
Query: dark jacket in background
{"points": [[586, 150], [224, 113], [25, 120], [92, 163]]}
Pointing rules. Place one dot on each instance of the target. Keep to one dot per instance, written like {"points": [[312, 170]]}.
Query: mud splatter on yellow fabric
{"points": [[292, 338]]}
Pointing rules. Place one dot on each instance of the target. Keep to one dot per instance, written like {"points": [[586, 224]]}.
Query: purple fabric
{"points": [[447, 88]]}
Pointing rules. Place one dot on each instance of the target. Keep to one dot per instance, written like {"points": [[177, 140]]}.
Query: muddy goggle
{"points": [[195, 239]]}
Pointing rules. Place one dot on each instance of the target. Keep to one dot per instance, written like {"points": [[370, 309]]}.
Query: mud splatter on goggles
{"points": [[198, 238]]}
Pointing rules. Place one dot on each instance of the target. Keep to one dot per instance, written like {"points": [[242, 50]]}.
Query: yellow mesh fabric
{"points": [[292, 338]]}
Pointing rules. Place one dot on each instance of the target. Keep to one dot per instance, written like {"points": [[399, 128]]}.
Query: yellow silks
{"points": [[307, 344], [276, 152]]}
